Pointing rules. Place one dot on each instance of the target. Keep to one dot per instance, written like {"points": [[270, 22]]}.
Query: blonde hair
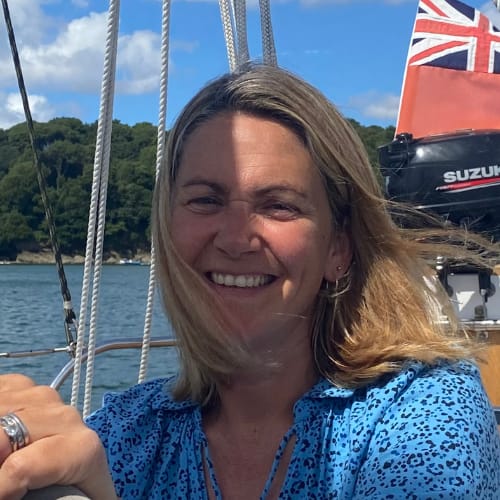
{"points": [[380, 314]]}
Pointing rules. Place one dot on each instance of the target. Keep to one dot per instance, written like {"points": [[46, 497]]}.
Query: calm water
{"points": [[31, 317]]}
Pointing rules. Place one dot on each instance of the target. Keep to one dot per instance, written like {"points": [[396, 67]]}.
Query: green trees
{"points": [[373, 136], [66, 151]]}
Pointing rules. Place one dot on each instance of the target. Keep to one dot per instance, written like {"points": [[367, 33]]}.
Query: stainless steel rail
{"points": [[108, 345], [35, 352]]}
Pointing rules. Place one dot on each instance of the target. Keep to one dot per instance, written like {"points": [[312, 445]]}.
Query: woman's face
{"points": [[250, 215]]}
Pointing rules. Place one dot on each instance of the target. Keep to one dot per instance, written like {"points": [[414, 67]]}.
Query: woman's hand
{"points": [[61, 450]]}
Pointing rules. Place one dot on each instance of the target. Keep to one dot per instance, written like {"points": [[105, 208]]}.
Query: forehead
{"points": [[240, 145]]}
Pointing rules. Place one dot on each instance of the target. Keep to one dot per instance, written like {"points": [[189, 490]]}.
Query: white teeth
{"points": [[240, 281], [218, 278]]}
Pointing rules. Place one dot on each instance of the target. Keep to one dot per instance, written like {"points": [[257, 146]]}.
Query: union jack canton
{"points": [[450, 34]]}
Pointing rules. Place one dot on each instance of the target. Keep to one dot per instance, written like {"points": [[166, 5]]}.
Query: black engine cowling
{"points": [[452, 175]]}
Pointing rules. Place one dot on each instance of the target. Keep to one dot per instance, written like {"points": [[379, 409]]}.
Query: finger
{"points": [[20, 397], [78, 459], [42, 422], [14, 436], [15, 382]]}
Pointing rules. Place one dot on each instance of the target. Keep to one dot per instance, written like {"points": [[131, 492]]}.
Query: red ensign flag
{"points": [[452, 78]]}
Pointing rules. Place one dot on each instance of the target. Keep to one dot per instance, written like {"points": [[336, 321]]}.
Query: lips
{"points": [[240, 280]]}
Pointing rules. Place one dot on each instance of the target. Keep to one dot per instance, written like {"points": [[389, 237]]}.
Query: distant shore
{"points": [[48, 258], [114, 258]]}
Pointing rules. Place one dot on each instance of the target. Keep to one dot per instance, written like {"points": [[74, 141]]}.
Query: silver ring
{"points": [[16, 431]]}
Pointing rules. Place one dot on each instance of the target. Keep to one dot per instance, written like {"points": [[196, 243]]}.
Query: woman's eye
{"points": [[205, 200], [204, 203], [281, 210]]}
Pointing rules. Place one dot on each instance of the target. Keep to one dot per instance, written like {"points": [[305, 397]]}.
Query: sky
{"points": [[354, 51]]}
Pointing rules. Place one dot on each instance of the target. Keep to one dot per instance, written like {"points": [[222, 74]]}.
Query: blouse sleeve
{"points": [[438, 439]]}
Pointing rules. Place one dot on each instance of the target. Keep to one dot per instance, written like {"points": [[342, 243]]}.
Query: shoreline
{"points": [[141, 258], [48, 258]]}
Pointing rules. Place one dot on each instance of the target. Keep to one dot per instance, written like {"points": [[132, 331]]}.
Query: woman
{"points": [[313, 364]]}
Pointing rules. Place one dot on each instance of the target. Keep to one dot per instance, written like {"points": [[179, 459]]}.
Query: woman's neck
{"points": [[254, 413], [267, 391]]}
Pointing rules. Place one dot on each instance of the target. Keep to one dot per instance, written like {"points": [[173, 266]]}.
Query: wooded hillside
{"points": [[66, 147]]}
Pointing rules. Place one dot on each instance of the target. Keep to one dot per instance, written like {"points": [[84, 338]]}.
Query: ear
{"points": [[339, 257]]}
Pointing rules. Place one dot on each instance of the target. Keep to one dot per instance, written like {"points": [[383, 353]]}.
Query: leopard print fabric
{"points": [[425, 433]]}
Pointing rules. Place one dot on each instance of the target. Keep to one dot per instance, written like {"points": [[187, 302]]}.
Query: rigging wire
{"points": [[240, 15], [70, 324], [268, 47], [228, 28], [233, 13], [97, 215], [160, 155], [234, 25]]}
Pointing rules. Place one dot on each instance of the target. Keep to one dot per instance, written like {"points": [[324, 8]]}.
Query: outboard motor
{"points": [[455, 176]]}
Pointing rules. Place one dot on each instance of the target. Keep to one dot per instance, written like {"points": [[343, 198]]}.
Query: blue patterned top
{"points": [[424, 433]]}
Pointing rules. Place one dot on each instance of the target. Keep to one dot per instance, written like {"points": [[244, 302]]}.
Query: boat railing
{"points": [[105, 346], [481, 329]]}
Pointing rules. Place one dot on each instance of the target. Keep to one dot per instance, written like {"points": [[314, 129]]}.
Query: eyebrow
{"points": [[198, 181], [284, 187]]}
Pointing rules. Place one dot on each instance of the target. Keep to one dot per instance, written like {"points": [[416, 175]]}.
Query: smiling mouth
{"points": [[240, 280]]}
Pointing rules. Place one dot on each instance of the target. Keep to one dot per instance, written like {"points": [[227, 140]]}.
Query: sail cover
{"points": [[452, 78]]}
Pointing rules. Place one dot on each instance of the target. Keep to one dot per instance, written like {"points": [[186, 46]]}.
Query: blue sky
{"points": [[353, 50]]}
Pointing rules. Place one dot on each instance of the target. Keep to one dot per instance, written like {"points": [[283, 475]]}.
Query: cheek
{"points": [[186, 235], [301, 250]]}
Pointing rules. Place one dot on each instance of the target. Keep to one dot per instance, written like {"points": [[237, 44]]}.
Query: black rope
{"points": [[70, 317]]}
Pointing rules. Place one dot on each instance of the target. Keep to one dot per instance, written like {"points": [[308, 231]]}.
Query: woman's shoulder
{"points": [[458, 382], [155, 394], [444, 394], [435, 391], [416, 378], [143, 402], [433, 429], [144, 432]]}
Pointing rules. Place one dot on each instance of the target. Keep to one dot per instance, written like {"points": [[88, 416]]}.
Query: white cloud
{"points": [[184, 46], [492, 12], [138, 62], [66, 58], [73, 61], [252, 4], [12, 111], [29, 22], [376, 105], [315, 3]]}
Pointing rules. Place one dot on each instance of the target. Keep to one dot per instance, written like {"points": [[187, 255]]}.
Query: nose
{"points": [[237, 231]]}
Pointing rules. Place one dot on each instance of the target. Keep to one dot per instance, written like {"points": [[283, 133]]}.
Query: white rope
{"points": [[240, 14], [234, 24], [95, 237], [233, 15], [227, 26], [160, 155], [268, 48], [102, 162]]}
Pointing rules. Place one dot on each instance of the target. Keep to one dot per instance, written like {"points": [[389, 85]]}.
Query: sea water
{"points": [[32, 318]]}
